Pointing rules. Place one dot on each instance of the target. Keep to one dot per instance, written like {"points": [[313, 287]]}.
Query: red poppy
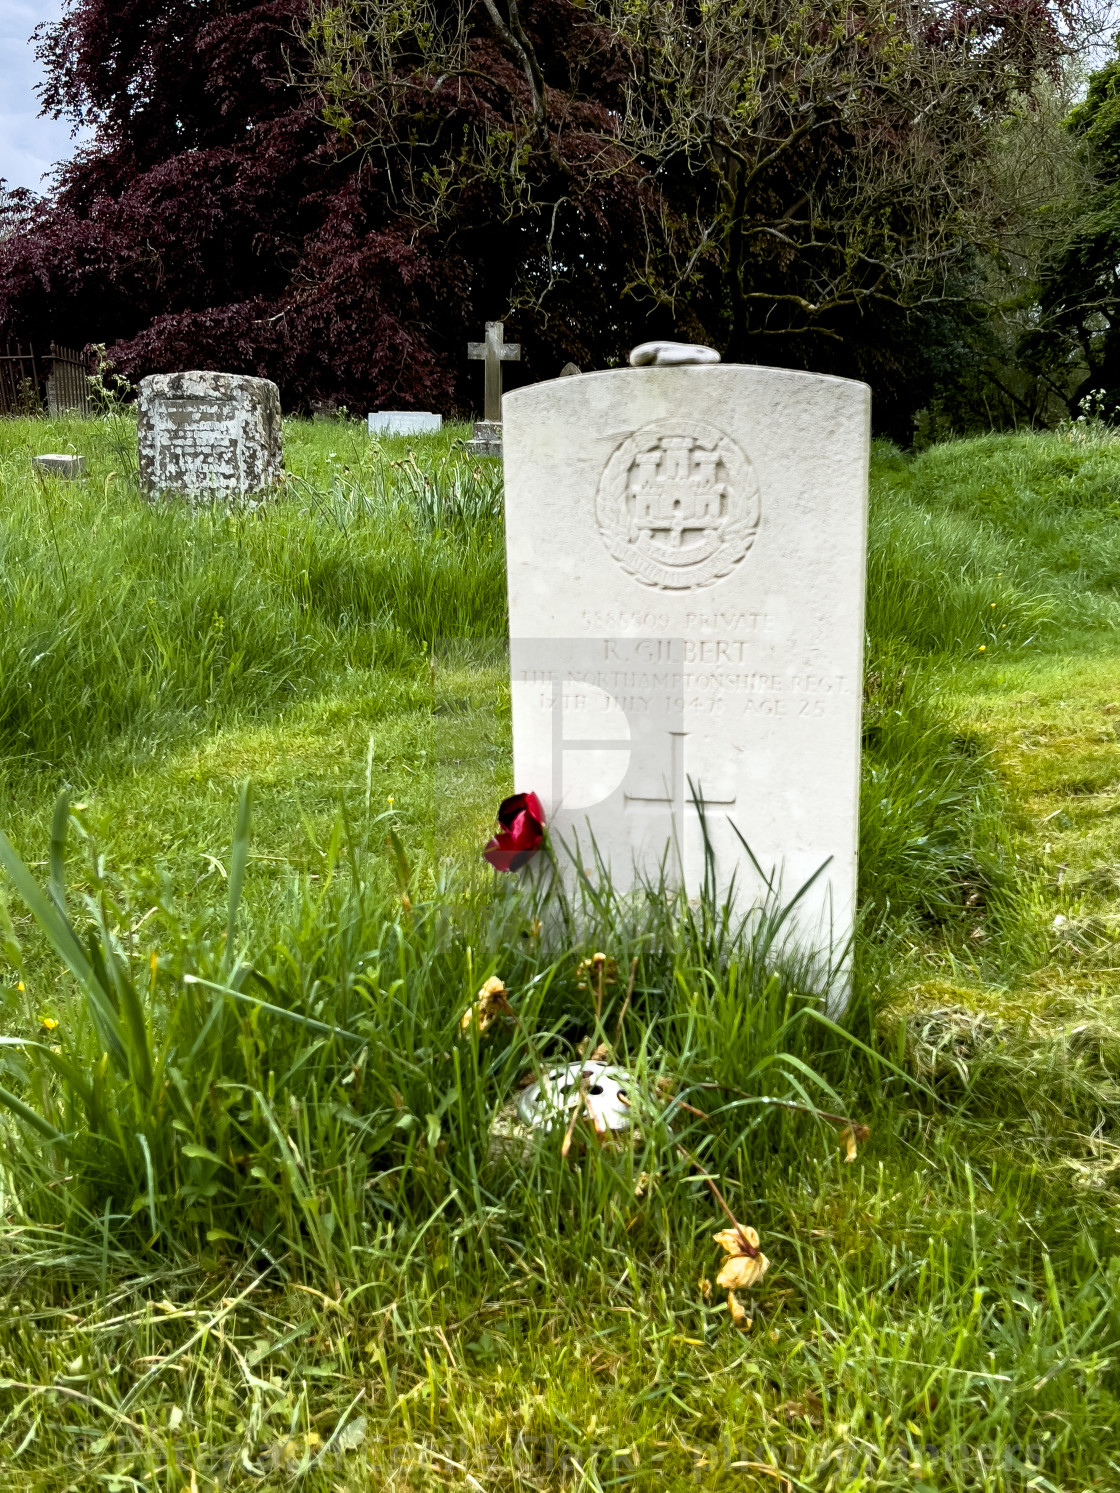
{"points": [[519, 839]]}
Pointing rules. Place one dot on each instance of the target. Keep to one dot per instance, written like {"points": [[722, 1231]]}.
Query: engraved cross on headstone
{"points": [[673, 798], [494, 352]]}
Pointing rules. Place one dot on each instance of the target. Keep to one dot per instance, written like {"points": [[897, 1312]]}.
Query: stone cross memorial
{"points": [[686, 546], [493, 353], [208, 434]]}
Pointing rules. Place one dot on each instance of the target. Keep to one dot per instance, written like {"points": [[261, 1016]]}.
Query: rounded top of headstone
{"points": [[199, 383], [671, 355]]}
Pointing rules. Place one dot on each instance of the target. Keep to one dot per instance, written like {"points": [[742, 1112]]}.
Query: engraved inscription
{"points": [[710, 677], [678, 505]]}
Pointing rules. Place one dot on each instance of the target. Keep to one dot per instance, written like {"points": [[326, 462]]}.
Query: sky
{"points": [[29, 146]]}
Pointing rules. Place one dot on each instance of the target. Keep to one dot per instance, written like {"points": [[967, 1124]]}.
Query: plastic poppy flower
{"points": [[522, 829]]}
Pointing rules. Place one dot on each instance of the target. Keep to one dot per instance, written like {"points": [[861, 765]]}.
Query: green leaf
{"points": [[62, 1066], [200, 1153], [148, 1168], [66, 945], [60, 823], [31, 1117], [404, 872], [137, 1027]]}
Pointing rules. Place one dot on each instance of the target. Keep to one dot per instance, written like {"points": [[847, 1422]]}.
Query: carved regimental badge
{"points": [[678, 504]]}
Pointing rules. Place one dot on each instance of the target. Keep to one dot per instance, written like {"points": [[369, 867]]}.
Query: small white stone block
{"points": [[60, 466], [686, 551], [203, 434], [404, 422]]}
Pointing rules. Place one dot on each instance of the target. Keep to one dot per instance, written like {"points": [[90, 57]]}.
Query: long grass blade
{"points": [[252, 1000], [60, 823], [65, 942], [31, 1117], [239, 856]]}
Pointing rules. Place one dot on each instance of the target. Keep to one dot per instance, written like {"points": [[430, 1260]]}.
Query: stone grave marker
{"points": [[202, 434], [493, 353], [60, 465], [686, 550], [404, 422]]}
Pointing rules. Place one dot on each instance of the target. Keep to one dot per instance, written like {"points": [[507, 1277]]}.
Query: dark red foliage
{"points": [[217, 222], [521, 834]]}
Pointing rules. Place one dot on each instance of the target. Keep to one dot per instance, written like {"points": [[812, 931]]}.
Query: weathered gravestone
{"points": [[686, 575], [208, 434]]}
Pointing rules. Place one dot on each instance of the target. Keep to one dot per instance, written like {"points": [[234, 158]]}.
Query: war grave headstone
{"points": [[404, 422], [686, 550], [493, 352], [208, 434]]}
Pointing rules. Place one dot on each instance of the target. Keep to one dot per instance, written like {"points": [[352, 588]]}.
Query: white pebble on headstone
{"points": [[671, 354], [203, 434], [60, 466], [686, 551], [404, 422]]}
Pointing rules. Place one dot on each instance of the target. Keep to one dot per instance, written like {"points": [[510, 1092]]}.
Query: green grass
{"points": [[256, 1235]]}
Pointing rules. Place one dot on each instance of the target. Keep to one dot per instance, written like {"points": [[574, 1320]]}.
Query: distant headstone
{"points": [[569, 370], [60, 466], [208, 434], [685, 548], [404, 422], [493, 353]]}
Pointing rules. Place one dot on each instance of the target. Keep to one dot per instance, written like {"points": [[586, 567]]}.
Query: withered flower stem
{"points": [[805, 1109], [748, 1248], [577, 1110]]}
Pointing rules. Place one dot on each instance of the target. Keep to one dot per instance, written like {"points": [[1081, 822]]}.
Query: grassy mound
{"points": [[270, 1206]]}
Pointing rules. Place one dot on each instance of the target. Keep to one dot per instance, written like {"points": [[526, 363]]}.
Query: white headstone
{"points": [[55, 465], [202, 434], [686, 552], [404, 422]]}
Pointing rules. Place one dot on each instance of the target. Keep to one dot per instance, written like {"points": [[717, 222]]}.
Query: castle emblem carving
{"points": [[678, 504]]}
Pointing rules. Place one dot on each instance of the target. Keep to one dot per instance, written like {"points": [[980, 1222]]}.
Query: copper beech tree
{"points": [[339, 193], [807, 184]]}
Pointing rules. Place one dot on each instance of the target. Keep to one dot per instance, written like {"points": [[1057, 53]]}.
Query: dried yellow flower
{"points": [[738, 1312], [492, 1002], [745, 1264], [741, 1272], [853, 1136]]}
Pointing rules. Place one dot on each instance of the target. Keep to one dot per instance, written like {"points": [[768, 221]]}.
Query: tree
{"points": [[217, 220], [808, 184], [1074, 343], [338, 198]]}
